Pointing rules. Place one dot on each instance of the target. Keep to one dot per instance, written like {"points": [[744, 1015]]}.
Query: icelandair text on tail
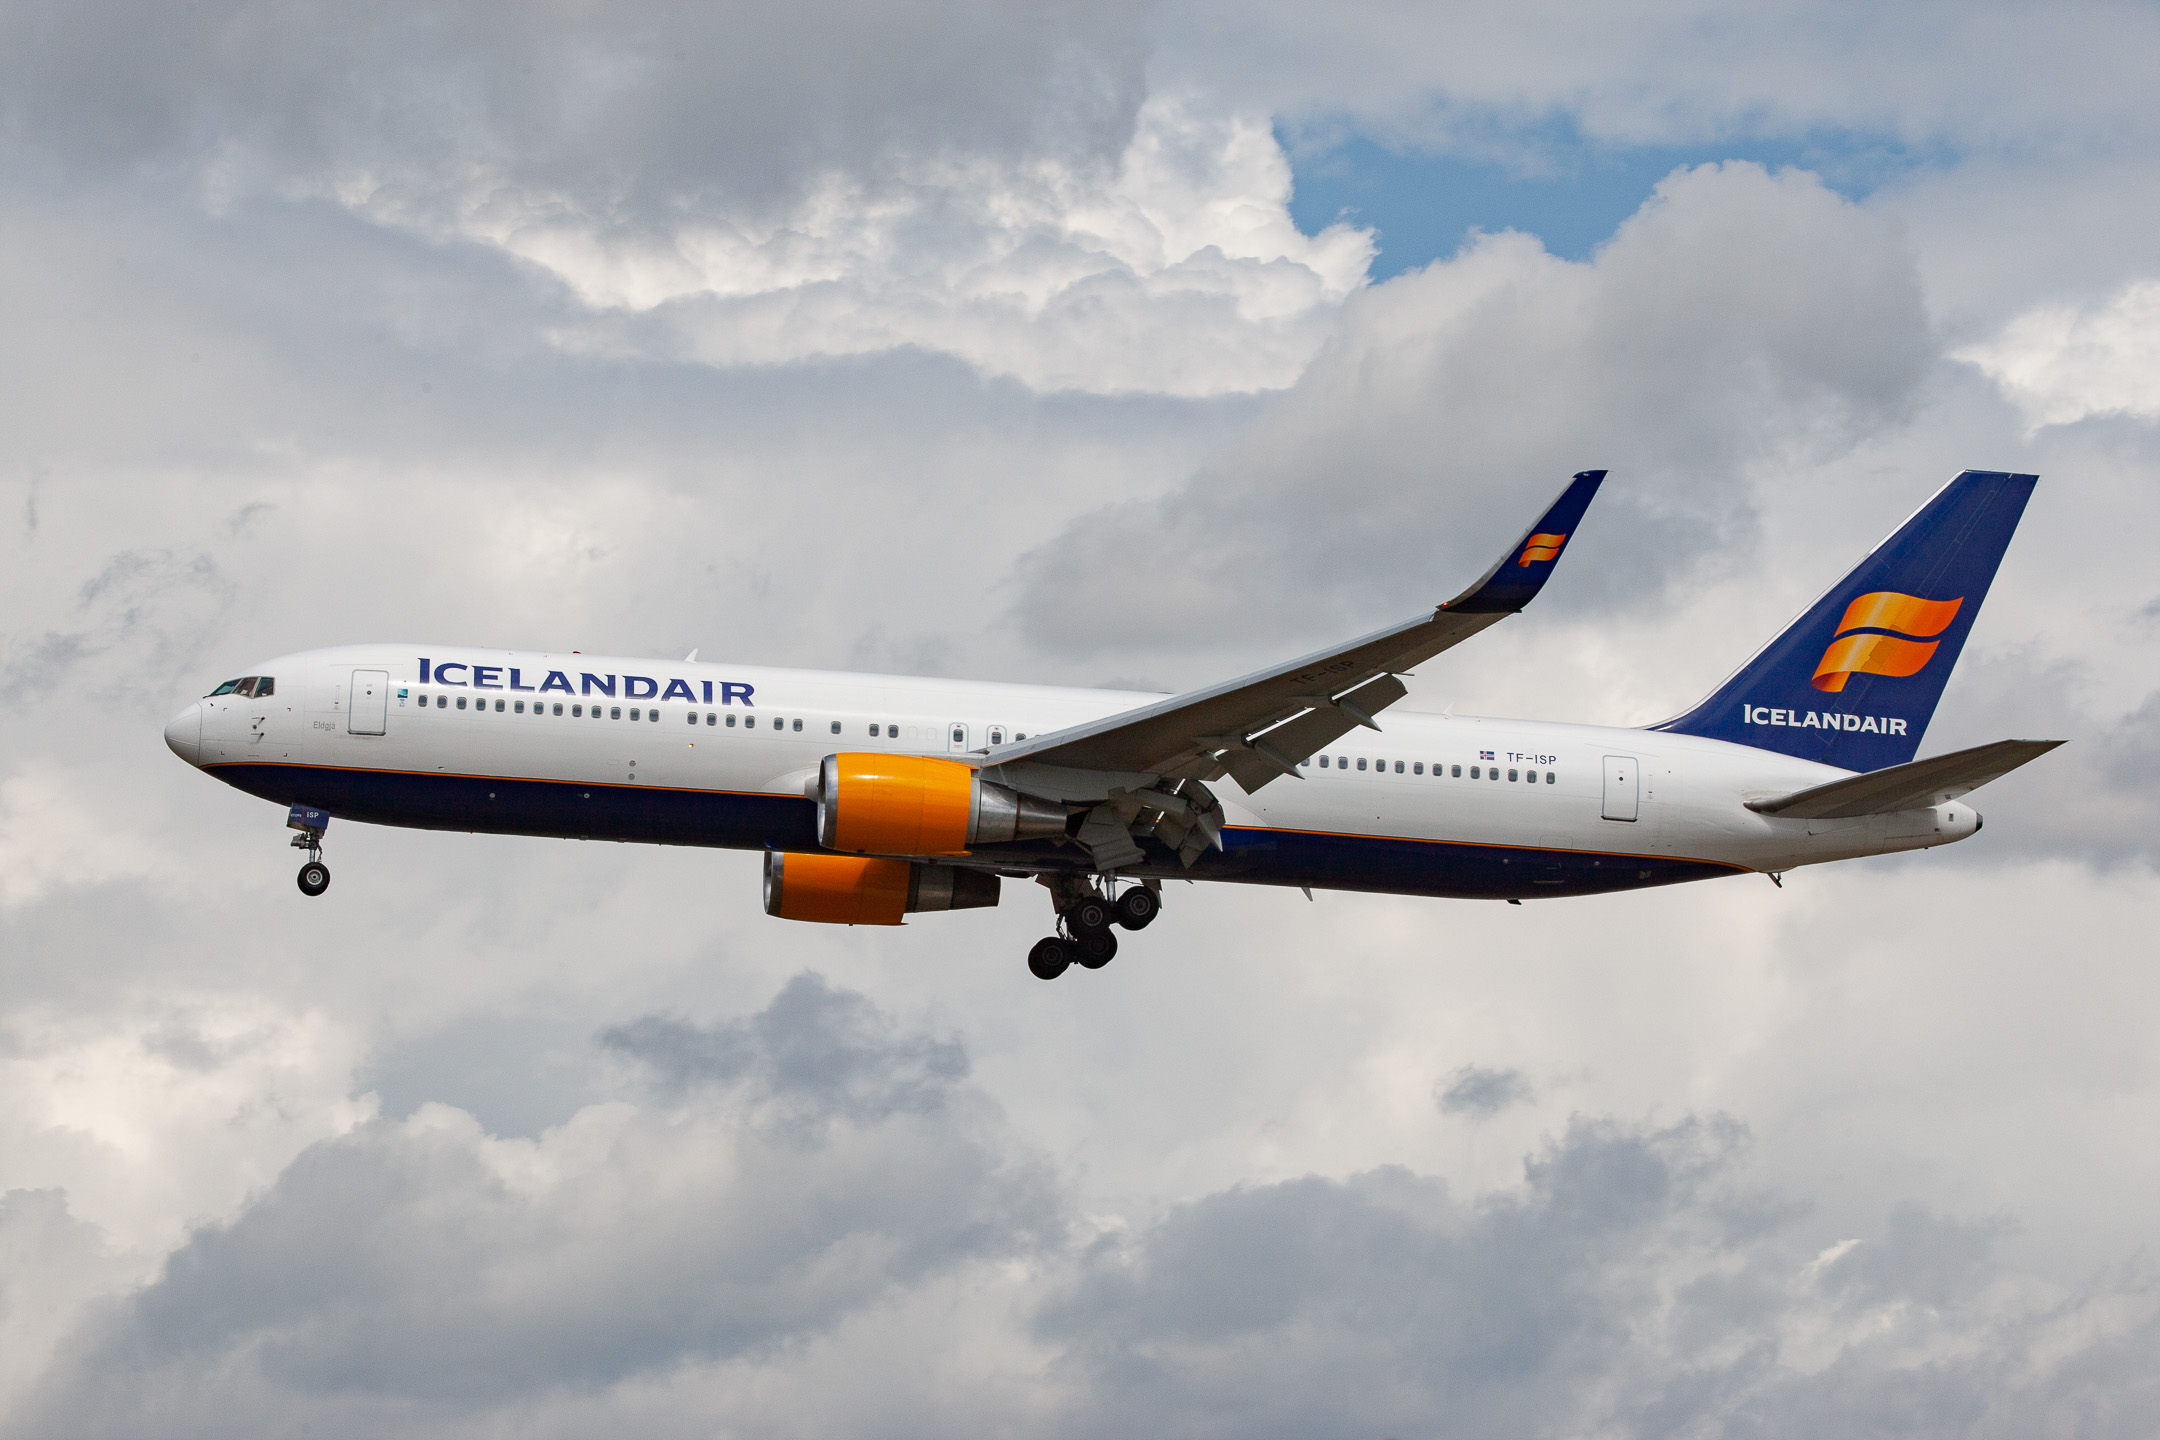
{"points": [[1822, 720]]}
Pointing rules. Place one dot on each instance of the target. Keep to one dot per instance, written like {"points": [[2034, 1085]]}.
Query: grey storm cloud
{"points": [[636, 112], [1739, 317], [1482, 1091], [409, 1263], [815, 1055], [1634, 1286]]}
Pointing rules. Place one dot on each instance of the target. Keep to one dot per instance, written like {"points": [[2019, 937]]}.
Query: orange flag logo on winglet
{"points": [[1541, 547], [1894, 655]]}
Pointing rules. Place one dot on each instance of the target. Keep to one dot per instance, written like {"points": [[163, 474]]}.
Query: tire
{"points": [[1097, 948], [1049, 958], [314, 878], [1088, 914], [1138, 907]]}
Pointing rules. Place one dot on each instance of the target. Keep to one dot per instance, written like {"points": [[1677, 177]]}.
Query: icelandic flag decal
{"points": [[1484, 754]]}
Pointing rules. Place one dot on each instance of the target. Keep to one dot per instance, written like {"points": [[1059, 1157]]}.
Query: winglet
{"points": [[1517, 576]]}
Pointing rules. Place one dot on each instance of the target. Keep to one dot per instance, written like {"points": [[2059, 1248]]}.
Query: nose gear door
{"points": [[370, 706]]}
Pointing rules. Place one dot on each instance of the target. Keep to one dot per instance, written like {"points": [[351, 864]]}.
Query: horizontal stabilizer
{"points": [[1912, 786]]}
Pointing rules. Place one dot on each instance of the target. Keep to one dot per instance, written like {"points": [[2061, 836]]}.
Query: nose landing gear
{"points": [[1089, 915], [310, 822]]}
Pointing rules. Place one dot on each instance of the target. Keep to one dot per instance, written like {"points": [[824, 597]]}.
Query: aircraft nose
{"points": [[183, 733]]}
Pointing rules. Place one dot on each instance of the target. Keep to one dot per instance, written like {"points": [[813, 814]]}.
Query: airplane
{"points": [[873, 797]]}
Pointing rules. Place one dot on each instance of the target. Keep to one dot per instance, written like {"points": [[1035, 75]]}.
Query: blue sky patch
{"points": [[1569, 192]]}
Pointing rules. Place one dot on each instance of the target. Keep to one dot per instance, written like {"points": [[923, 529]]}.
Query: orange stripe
{"points": [[1870, 655], [1906, 614], [1481, 845], [782, 795]]}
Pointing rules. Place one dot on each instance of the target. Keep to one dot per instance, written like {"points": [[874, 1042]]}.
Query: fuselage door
{"points": [[1623, 787], [370, 702], [956, 737]]}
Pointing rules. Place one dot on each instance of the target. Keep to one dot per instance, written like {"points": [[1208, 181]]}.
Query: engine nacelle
{"points": [[920, 805], [854, 890]]}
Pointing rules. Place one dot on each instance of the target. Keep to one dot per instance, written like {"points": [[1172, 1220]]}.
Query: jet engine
{"points": [[852, 890], [918, 805]]}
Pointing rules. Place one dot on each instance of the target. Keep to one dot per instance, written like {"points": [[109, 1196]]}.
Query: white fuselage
{"points": [[722, 754]]}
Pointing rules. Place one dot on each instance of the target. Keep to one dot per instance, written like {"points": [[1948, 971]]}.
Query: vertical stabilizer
{"points": [[1853, 682]]}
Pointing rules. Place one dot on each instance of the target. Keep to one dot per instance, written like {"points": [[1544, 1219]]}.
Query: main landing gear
{"points": [[310, 822], [1089, 914]]}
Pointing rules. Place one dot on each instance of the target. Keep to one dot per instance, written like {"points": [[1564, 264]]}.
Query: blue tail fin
{"points": [[1854, 681]]}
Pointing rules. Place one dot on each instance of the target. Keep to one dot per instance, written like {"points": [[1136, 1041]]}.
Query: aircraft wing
{"points": [[1259, 726], [1913, 786]]}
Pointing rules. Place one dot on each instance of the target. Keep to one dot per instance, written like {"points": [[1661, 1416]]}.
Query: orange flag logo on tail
{"points": [[1541, 547], [1894, 655]]}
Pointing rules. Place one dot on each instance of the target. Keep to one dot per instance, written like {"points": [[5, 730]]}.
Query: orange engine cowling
{"points": [[855, 890], [919, 805]]}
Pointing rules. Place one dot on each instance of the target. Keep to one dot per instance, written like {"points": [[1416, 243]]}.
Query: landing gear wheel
{"points": [[1088, 913], [314, 878], [1050, 957], [1138, 907], [1097, 947]]}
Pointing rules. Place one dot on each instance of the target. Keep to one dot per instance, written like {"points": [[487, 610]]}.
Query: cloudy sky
{"points": [[1089, 343]]}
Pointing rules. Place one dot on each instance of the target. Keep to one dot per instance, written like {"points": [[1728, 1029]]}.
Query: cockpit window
{"points": [[265, 685], [225, 689]]}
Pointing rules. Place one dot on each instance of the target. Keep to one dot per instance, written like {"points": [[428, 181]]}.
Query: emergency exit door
{"points": [[1623, 787], [370, 702]]}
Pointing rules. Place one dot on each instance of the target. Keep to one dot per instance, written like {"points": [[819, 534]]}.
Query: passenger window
{"points": [[519, 707], [577, 712], [711, 719], [1361, 762], [558, 707], [441, 701], [1531, 776], [1511, 776], [1398, 767], [614, 712], [1474, 773], [731, 722], [836, 727], [798, 727], [654, 716], [634, 712], [959, 735], [1456, 773], [1342, 762], [461, 702], [873, 730], [1418, 769], [691, 717], [997, 734], [1493, 774], [1323, 762], [423, 702], [1548, 777], [1018, 738]]}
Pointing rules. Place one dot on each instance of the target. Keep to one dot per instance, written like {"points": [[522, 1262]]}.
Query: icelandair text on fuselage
{"points": [[490, 677], [1824, 720]]}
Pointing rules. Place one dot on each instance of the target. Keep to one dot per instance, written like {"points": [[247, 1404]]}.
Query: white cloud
{"points": [[2064, 363], [1175, 271], [1740, 320]]}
